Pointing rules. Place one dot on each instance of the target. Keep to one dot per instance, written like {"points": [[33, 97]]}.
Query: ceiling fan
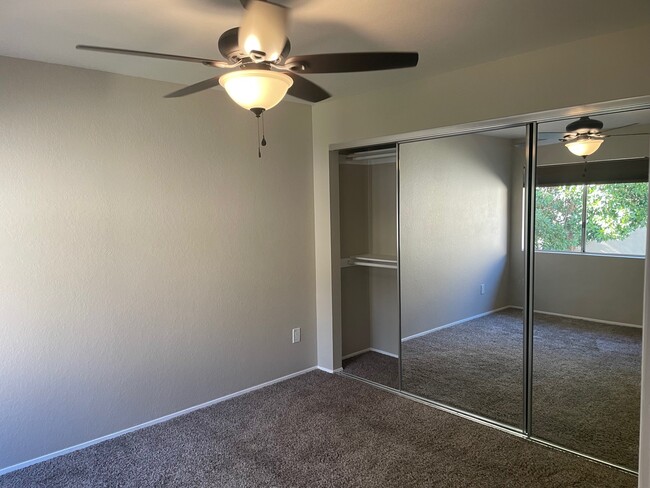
{"points": [[263, 72], [584, 136]]}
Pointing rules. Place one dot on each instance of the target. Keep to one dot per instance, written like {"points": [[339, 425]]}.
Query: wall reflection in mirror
{"points": [[590, 242], [462, 271]]}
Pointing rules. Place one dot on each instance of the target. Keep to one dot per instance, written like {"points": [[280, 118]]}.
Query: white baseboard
{"points": [[159, 420], [370, 349], [330, 371], [356, 353], [457, 322], [608, 322], [589, 319]]}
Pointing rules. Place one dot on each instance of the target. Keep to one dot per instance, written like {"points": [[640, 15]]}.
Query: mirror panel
{"points": [[590, 231], [462, 271]]}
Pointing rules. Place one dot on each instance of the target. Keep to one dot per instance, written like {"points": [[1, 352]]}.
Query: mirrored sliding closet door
{"points": [[590, 244], [462, 271]]}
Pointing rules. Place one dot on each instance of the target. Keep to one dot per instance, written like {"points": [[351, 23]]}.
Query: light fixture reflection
{"points": [[584, 145], [256, 90]]}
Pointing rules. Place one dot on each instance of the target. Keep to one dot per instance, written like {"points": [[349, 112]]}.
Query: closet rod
{"points": [[375, 265], [375, 154]]}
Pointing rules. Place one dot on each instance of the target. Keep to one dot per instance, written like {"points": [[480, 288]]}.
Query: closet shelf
{"points": [[369, 158], [371, 260]]}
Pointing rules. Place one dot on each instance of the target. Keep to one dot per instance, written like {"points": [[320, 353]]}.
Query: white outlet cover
{"points": [[295, 335]]}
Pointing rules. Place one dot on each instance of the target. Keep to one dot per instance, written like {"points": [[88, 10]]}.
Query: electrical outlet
{"points": [[482, 288], [295, 335]]}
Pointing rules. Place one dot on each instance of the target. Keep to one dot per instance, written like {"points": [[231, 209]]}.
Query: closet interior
{"points": [[368, 249]]}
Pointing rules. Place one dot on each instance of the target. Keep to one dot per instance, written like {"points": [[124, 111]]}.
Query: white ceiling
{"points": [[448, 34]]}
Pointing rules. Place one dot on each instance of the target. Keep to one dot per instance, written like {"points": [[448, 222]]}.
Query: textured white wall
{"points": [[149, 261]]}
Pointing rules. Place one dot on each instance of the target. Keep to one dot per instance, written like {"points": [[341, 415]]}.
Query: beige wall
{"points": [[454, 229], [383, 210], [605, 288], [149, 261], [384, 310], [355, 309]]}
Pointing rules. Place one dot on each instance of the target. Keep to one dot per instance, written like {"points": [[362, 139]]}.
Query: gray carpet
{"points": [[587, 378], [587, 387], [374, 366], [318, 430], [476, 366]]}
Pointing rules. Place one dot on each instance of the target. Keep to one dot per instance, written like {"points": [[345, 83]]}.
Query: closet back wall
{"points": [[368, 219], [149, 260]]}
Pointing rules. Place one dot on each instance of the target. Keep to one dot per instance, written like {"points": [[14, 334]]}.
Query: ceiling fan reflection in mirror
{"points": [[584, 136], [262, 73]]}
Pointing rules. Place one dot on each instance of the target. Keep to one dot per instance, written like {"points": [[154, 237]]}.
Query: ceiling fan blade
{"points": [[616, 128], [244, 3], [351, 62], [306, 90], [540, 142], [623, 135], [550, 135], [196, 87], [173, 57]]}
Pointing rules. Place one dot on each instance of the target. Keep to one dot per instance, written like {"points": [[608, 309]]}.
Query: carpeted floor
{"points": [[476, 366], [587, 376], [318, 430], [587, 387], [374, 366]]}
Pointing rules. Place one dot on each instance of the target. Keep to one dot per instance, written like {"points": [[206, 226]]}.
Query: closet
{"points": [[368, 249]]}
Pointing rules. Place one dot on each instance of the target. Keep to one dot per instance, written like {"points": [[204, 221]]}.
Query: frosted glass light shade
{"points": [[263, 32], [256, 88], [584, 146]]}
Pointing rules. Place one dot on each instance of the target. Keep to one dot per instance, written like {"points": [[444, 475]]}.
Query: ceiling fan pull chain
{"points": [[263, 138], [259, 149]]}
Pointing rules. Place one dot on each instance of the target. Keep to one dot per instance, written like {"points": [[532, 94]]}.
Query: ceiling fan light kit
{"points": [[584, 146], [255, 89]]}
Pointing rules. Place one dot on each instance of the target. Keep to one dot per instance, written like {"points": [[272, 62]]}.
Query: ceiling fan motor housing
{"points": [[585, 125], [229, 48]]}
